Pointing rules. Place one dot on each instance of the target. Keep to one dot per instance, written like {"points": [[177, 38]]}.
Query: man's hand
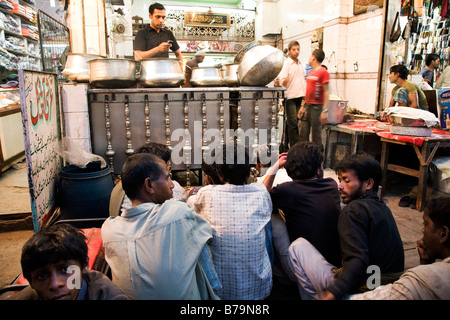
{"points": [[423, 254], [301, 111], [282, 159], [323, 118], [326, 295], [164, 46]]}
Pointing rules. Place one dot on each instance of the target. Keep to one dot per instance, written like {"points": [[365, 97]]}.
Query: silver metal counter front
{"points": [[184, 119]]}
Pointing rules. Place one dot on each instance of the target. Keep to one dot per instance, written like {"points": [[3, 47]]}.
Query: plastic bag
{"points": [[74, 154]]}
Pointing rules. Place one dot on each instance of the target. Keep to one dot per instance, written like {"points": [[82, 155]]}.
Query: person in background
{"points": [[238, 214], [52, 259], [156, 249], [429, 280], [432, 61], [193, 63], [310, 205], [119, 199], [368, 236], [154, 41], [405, 93], [292, 77], [316, 99], [444, 79]]}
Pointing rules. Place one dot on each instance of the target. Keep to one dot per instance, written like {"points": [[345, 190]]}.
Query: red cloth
{"points": [[371, 126], [435, 134]]}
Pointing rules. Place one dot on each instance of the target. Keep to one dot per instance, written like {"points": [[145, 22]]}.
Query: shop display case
{"points": [[19, 38], [12, 148]]}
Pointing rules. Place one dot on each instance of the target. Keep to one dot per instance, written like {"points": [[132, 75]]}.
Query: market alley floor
{"points": [[14, 199]]}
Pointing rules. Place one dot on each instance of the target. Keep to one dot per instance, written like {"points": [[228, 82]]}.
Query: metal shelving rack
{"points": [[55, 44]]}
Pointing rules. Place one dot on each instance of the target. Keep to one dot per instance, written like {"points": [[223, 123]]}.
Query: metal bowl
{"points": [[112, 73], [260, 65], [230, 77], [405, 121], [77, 67], [206, 77], [160, 72]]}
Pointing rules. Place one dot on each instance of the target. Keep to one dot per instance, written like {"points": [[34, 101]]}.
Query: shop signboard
{"points": [[361, 6], [42, 135], [443, 106], [206, 19]]}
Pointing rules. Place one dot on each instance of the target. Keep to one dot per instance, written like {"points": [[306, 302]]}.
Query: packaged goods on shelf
{"points": [[8, 60], [8, 99], [32, 2], [33, 49], [10, 23], [14, 43], [6, 4], [30, 31]]}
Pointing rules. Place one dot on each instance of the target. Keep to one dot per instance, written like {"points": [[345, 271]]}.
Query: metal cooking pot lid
{"points": [[240, 54]]}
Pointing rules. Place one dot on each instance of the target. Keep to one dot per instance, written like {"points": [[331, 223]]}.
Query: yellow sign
{"points": [[206, 19]]}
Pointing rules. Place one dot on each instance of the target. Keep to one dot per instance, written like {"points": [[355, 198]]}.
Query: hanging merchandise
{"points": [[407, 30], [406, 7], [415, 22], [396, 29], [444, 9]]}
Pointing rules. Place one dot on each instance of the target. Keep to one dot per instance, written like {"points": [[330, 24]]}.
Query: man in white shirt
{"points": [[292, 77], [238, 214]]}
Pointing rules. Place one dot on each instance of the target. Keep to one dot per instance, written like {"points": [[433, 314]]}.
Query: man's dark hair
{"points": [[303, 160], [319, 54], [439, 211], [430, 58], [157, 6], [53, 244], [211, 171], [364, 165], [293, 43], [161, 150], [401, 70], [235, 168], [136, 169]]}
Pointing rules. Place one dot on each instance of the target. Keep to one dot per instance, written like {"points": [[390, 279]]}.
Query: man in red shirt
{"points": [[316, 99]]}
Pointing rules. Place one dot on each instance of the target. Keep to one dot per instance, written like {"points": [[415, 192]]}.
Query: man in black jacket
{"points": [[371, 246]]}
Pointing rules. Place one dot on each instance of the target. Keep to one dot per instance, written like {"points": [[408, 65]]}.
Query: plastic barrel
{"points": [[84, 192]]}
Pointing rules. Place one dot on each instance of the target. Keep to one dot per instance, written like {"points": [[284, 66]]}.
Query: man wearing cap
{"points": [[154, 40], [193, 63]]}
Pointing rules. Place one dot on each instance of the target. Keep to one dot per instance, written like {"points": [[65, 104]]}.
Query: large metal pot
{"points": [[260, 65], [112, 73], [240, 55], [206, 77], [160, 72], [77, 67], [230, 76]]}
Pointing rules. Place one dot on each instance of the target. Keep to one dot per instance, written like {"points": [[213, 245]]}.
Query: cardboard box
{"points": [[443, 107]]}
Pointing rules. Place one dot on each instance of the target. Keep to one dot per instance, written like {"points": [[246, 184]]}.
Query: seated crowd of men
{"points": [[230, 238]]}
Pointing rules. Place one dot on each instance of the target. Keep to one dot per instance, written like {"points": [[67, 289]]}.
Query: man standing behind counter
{"points": [[154, 41]]}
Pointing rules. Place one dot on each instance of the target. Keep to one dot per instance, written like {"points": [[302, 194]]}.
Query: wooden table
{"points": [[425, 149], [359, 128]]}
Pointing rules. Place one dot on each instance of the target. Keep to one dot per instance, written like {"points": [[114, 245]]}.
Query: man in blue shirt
{"points": [[156, 248]]}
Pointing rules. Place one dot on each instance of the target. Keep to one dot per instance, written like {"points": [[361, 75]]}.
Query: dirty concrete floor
{"points": [[14, 198]]}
